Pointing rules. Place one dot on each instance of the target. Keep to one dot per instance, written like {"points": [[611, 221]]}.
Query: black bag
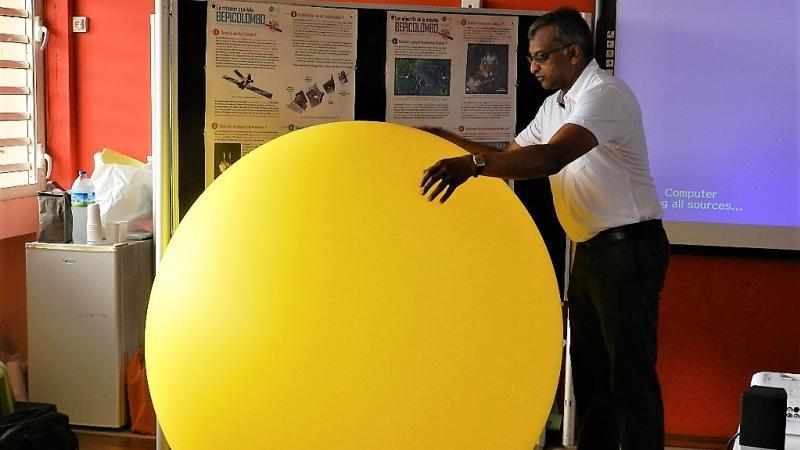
{"points": [[55, 216], [36, 426]]}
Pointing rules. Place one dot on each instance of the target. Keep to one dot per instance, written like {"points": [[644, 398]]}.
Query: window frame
{"points": [[38, 163]]}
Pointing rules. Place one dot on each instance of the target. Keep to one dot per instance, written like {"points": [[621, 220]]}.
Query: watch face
{"points": [[479, 161]]}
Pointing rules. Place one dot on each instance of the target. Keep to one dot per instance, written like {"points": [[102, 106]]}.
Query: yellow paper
{"points": [[112, 157]]}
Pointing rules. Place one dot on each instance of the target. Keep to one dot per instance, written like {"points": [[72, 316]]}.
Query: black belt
{"points": [[625, 232]]}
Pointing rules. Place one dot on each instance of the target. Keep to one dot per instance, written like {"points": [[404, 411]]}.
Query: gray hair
{"points": [[570, 28]]}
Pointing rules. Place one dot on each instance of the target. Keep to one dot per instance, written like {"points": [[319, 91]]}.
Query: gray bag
{"points": [[55, 216]]}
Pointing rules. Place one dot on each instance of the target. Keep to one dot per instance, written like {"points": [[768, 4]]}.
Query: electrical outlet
{"points": [[80, 24], [471, 3]]}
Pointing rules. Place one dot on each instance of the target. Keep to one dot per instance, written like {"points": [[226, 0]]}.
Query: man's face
{"points": [[554, 72]]}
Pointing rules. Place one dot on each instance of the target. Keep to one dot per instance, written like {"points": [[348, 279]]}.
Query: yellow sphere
{"points": [[312, 299]]}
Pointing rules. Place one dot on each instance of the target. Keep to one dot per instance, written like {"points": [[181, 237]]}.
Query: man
{"points": [[588, 138]]}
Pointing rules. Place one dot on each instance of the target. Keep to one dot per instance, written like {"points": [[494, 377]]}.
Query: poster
{"points": [[272, 69], [453, 71]]}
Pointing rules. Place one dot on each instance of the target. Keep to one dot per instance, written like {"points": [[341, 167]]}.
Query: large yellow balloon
{"points": [[311, 299]]}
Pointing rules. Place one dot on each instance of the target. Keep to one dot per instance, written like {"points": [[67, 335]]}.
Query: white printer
{"points": [[791, 384]]}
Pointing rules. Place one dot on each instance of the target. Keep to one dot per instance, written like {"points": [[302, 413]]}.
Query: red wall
{"points": [[13, 326], [722, 317], [113, 72], [98, 82]]}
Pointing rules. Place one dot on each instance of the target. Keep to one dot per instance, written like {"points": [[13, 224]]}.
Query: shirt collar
{"points": [[575, 90]]}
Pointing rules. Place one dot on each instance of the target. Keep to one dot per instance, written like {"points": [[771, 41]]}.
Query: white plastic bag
{"points": [[124, 192]]}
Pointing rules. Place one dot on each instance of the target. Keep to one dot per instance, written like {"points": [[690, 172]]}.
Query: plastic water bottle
{"points": [[82, 196]]}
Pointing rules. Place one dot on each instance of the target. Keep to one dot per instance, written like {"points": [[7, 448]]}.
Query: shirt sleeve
{"points": [[532, 134], [605, 112]]}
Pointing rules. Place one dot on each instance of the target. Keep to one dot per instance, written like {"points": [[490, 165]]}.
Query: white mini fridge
{"points": [[86, 311]]}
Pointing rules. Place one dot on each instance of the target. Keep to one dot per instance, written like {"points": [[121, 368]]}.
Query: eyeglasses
{"points": [[542, 57]]}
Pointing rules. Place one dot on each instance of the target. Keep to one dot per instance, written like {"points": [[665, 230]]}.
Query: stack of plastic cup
{"points": [[94, 227]]}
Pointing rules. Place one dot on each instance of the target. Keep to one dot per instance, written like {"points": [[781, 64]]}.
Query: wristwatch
{"points": [[479, 162]]}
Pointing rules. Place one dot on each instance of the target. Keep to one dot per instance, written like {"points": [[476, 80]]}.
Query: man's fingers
{"points": [[429, 183], [432, 175], [448, 193], [429, 172], [439, 188], [425, 177], [425, 188]]}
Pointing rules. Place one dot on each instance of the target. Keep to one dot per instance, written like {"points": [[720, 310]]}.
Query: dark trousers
{"points": [[613, 311]]}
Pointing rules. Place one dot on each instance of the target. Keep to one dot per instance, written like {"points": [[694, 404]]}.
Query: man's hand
{"points": [[450, 173]]}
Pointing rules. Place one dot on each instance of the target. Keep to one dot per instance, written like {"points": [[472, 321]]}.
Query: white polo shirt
{"points": [[610, 185]]}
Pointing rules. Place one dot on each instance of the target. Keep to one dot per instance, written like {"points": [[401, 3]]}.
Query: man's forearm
{"points": [[535, 161], [470, 146]]}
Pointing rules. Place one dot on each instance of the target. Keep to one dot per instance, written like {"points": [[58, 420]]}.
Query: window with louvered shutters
{"points": [[21, 97]]}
